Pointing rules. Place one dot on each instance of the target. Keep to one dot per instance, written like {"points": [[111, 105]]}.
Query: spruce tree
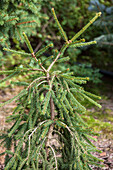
{"points": [[48, 131]]}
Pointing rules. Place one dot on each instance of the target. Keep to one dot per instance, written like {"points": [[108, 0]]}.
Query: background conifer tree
{"points": [[48, 131]]}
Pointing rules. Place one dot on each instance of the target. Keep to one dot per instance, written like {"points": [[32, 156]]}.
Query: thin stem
{"points": [[52, 81], [53, 62], [51, 100], [52, 109], [52, 117], [37, 47], [41, 145], [43, 29], [33, 55], [39, 78], [34, 69], [54, 156], [61, 52], [41, 83], [32, 134], [43, 68]]}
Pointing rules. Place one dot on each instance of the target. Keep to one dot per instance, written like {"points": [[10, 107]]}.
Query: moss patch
{"points": [[100, 121]]}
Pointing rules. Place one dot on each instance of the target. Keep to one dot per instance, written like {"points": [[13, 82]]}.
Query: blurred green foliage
{"points": [[103, 51]]}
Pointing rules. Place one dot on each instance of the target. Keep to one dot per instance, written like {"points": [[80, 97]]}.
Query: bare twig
{"points": [[43, 68], [54, 156], [43, 29], [107, 43], [41, 83], [32, 134], [34, 69], [33, 55], [37, 47], [42, 144], [53, 62], [39, 78], [67, 128]]}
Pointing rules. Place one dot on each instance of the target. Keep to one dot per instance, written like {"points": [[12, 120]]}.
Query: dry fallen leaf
{"points": [[103, 154], [95, 137]]}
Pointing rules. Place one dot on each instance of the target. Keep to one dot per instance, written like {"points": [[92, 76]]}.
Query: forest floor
{"points": [[100, 120]]}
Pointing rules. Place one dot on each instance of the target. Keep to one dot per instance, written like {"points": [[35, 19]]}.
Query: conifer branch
{"points": [[43, 50], [28, 43], [12, 19], [47, 59], [23, 92], [20, 70], [58, 55], [79, 41], [63, 34], [10, 76], [75, 45], [91, 95], [85, 27], [52, 112], [40, 64], [51, 83], [22, 164], [64, 125], [17, 52], [25, 22], [64, 59], [46, 102], [32, 134], [91, 100]]}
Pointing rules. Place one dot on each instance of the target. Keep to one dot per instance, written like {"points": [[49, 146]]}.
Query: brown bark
{"points": [[52, 108]]}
